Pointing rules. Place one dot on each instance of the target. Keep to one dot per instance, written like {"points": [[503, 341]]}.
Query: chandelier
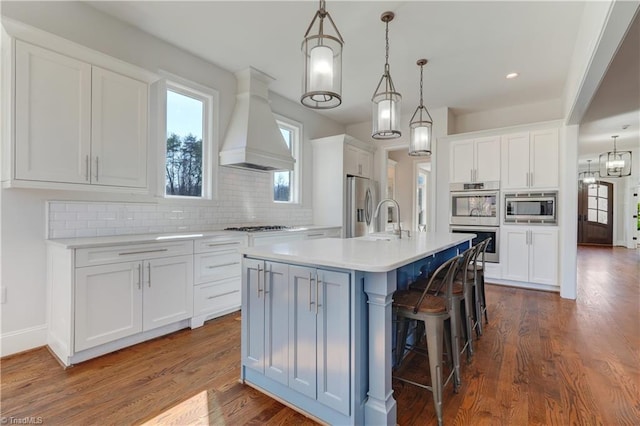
{"points": [[615, 163]]}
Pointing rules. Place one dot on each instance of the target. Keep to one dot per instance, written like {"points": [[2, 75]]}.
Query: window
{"points": [[286, 183], [597, 204], [188, 168]]}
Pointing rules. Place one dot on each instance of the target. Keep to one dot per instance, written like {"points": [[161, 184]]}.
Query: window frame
{"points": [[210, 135], [296, 129]]}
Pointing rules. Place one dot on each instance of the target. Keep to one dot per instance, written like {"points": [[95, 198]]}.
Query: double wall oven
{"points": [[475, 208]]}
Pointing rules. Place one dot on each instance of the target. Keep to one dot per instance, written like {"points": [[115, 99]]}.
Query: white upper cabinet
{"points": [[118, 129], [476, 160], [53, 116], [76, 123], [530, 160], [357, 162]]}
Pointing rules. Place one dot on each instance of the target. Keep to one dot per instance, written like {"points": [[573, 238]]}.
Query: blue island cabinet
{"points": [[317, 329], [299, 337]]}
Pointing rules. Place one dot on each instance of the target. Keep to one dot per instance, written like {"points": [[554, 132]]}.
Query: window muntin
{"points": [[286, 183]]}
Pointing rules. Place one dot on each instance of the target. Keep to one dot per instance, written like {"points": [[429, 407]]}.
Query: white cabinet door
{"points": [[53, 108], [276, 319], [515, 251], [303, 295], [487, 154], [544, 159], [333, 340], [119, 130], [253, 314], [515, 161], [364, 163], [461, 162], [168, 291], [108, 303], [351, 160], [543, 254]]}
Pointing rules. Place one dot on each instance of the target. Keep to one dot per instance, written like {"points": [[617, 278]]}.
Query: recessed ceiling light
{"points": [[512, 75]]}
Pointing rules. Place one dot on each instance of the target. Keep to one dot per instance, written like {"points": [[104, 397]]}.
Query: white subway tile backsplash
{"points": [[244, 198]]}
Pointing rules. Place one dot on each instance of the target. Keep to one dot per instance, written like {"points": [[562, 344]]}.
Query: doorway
{"points": [[595, 213]]}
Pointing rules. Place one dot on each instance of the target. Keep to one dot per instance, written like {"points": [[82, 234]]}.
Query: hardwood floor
{"points": [[542, 360]]}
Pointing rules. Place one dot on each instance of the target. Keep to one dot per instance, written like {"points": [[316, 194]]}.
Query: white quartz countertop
{"points": [[360, 254], [86, 242]]}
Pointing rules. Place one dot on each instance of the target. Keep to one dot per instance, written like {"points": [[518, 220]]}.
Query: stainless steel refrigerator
{"points": [[362, 198]]}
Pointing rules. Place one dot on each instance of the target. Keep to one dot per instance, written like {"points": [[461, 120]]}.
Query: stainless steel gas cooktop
{"points": [[260, 228]]}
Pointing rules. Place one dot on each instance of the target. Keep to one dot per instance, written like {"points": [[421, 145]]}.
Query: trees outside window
{"points": [[189, 141]]}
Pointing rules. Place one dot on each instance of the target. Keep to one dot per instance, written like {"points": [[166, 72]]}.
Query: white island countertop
{"points": [[360, 254]]}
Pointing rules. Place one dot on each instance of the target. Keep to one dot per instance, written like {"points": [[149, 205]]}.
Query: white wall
{"points": [[511, 116], [23, 212]]}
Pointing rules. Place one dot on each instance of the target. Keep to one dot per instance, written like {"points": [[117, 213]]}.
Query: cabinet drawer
{"points": [[217, 266], [212, 297], [216, 244], [124, 253]]}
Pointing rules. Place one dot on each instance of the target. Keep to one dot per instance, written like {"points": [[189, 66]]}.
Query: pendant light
{"points": [[322, 82], [420, 124], [386, 101], [615, 163], [588, 177]]}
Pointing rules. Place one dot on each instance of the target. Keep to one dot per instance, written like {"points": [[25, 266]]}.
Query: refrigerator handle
{"points": [[367, 206]]}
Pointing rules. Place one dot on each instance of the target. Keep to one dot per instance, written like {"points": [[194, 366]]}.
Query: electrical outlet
{"points": [[3, 295]]}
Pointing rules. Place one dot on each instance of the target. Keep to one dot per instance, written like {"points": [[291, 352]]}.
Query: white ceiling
{"points": [[470, 45]]}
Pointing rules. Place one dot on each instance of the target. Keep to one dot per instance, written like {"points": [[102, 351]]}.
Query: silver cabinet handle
{"points": [[86, 165], [471, 171], [222, 265], [223, 244], [139, 276], [318, 305], [259, 271], [149, 276], [310, 290], [267, 282], [532, 184], [223, 294], [140, 252], [97, 167], [316, 235]]}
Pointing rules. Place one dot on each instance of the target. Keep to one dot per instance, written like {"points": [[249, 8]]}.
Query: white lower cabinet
{"points": [[217, 279], [118, 300], [108, 303], [530, 254], [297, 327], [104, 298]]}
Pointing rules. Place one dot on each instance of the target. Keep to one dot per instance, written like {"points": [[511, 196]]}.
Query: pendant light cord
{"points": [[421, 69], [386, 53]]}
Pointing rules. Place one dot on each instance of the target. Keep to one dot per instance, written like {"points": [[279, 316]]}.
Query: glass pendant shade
{"points": [[615, 163], [420, 125], [322, 54], [386, 115], [588, 177], [386, 100]]}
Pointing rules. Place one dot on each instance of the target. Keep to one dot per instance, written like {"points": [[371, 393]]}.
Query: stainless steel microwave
{"points": [[531, 207]]}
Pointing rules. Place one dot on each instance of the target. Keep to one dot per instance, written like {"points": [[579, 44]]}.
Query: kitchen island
{"points": [[317, 320]]}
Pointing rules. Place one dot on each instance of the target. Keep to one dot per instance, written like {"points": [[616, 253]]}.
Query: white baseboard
{"points": [[22, 340]]}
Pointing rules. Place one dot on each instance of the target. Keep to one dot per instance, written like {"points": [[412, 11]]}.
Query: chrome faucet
{"points": [[390, 200]]}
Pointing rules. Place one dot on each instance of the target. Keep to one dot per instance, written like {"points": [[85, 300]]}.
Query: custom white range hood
{"points": [[253, 140]]}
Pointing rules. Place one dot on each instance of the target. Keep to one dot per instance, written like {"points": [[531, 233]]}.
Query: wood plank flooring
{"points": [[542, 361]]}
